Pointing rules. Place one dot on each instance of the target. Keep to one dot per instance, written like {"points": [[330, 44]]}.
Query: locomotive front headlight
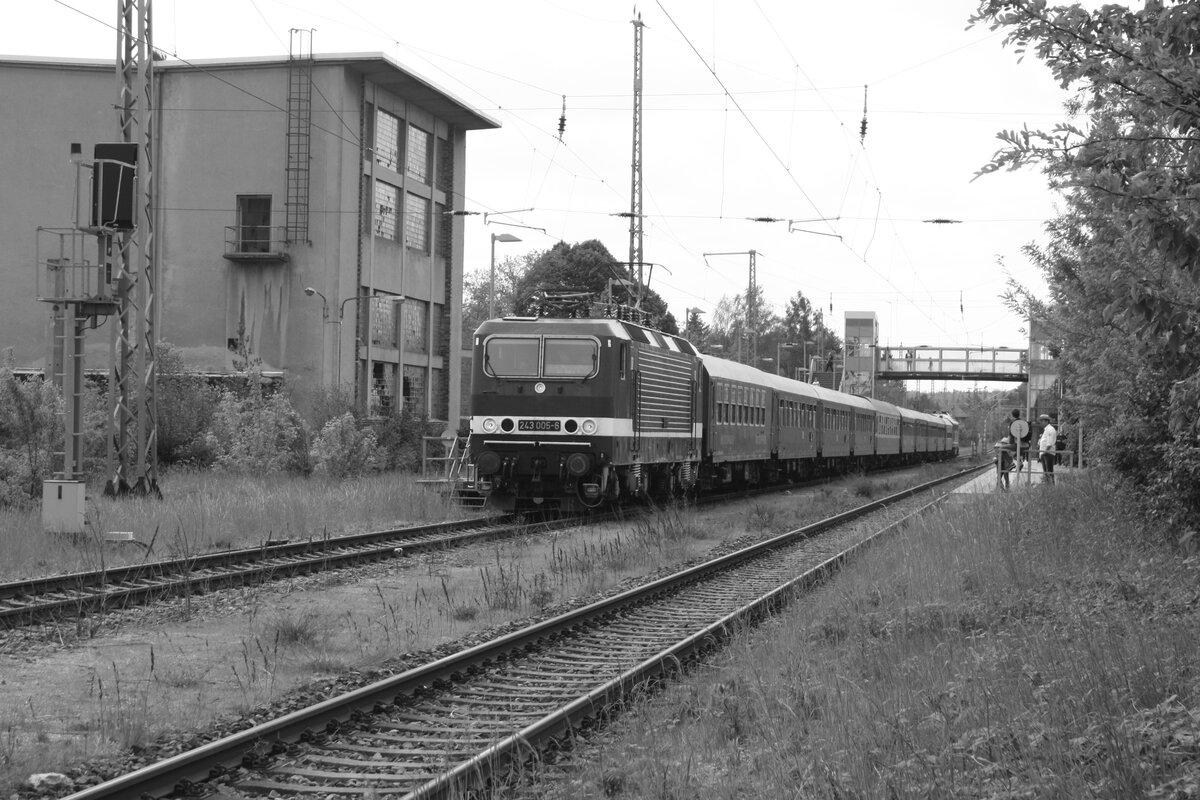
{"points": [[488, 463], [489, 425], [578, 464], [589, 427]]}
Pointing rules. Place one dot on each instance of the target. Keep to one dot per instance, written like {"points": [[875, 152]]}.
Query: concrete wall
{"points": [[221, 131], [46, 108]]}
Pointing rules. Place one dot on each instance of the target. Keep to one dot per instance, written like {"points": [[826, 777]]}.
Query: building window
{"points": [[412, 318], [416, 222], [254, 223], [383, 387], [387, 204], [387, 140], [419, 153], [414, 390], [383, 321]]}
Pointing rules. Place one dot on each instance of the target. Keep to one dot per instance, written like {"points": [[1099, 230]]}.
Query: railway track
{"points": [[78, 594], [457, 723]]}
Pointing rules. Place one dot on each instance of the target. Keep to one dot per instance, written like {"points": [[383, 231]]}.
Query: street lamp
{"points": [[396, 300], [310, 291], [804, 354], [779, 348], [496, 237]]}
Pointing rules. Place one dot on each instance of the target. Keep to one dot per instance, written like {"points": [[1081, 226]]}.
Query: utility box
{"points": [[114, 179], [63, 506]]}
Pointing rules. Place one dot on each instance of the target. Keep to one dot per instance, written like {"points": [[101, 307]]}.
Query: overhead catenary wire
{"points": [[576, 168]]}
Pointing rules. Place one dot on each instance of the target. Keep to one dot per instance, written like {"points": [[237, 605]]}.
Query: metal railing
{"points": [[65, 273], [255, 242]]}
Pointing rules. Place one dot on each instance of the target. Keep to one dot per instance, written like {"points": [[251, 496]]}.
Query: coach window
{"points": [[511, 357], [570, 358]]}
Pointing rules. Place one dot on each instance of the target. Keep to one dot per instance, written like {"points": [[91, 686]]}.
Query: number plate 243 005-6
{"points": [[538, 425]]}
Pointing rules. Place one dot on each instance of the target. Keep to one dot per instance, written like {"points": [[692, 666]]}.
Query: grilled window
{"points": [[412, 320], [419, 153], [387, 140], [416, 222], [387, 200], [383, 321]]}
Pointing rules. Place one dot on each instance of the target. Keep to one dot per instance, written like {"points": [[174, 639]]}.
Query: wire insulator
{"points": [[862, 130]]}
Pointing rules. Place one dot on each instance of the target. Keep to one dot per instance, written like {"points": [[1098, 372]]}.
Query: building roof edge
{"points": [[379, 66]]}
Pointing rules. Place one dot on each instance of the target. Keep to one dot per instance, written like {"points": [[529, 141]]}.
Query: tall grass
{"points": [[205, 511], [1028, 647]]}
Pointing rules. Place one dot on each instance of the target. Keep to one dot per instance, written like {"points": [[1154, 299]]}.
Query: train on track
{"points": [[580, 413]]}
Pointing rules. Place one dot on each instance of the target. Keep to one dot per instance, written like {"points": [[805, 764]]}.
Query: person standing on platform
{"points": [[1022, 439], [1046, 444], [1004, 459]]}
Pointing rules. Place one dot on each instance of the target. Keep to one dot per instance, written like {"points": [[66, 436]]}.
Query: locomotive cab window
{"points": [[511, 357], [570, 358], [538, 357]]}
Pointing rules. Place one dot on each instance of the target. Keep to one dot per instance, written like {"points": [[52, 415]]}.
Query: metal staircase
{"points": [[452, 473]]}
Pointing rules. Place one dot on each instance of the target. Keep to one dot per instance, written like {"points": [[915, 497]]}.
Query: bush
{"points": [[257, 432], [1173, 491], [343, 450], [185, 408], [330, 402], [30, 434], [400, 435], [16, 480]]}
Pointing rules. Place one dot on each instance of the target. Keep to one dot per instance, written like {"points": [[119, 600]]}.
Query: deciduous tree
{"points": [[1123, 262]]}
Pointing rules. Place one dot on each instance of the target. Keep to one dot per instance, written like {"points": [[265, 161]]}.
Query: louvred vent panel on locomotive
{"points": [[664, 391]]}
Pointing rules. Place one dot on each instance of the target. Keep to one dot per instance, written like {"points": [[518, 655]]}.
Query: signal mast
{"points": [[118, 281], [635, 200]]}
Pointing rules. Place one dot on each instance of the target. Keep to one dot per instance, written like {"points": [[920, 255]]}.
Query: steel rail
{"points": [[27, 601]]}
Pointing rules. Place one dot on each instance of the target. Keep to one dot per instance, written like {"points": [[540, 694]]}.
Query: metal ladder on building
{"points": [[299, 133]]}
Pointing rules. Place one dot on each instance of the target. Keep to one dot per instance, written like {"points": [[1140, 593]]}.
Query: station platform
{"points": [[988, 482]]}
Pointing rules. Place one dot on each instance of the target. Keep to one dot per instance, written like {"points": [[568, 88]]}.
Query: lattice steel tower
{"points": [[635, 194], [133, 429]]}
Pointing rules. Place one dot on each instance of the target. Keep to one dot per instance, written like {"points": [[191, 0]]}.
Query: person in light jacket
{"points": [[1046, 444]]}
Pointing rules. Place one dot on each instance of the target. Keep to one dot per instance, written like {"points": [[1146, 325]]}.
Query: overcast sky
{"points": [[752, 108]]}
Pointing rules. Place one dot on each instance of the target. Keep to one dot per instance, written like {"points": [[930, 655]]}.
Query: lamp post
{"points": [[779, 348], [496, 237], [325, 317], [804, 354]]}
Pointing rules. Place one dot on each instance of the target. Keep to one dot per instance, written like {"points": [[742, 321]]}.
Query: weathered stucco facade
{"points": [[242, 226]]}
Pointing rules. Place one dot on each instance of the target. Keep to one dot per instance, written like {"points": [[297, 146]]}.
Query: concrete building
{"points": [[315, 241]]}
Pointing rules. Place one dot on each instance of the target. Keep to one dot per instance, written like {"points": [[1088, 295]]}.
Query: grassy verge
{"points": [[1042, 645], [202, 512]]}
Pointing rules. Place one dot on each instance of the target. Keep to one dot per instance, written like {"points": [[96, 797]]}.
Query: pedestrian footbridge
{"points": [[952, 363]]}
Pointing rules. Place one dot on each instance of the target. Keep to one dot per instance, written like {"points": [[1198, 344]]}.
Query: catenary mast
{"points": [[635, 194], [132, 426]]}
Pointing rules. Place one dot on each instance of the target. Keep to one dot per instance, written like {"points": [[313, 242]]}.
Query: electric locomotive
{"points": [[574, 413]]}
